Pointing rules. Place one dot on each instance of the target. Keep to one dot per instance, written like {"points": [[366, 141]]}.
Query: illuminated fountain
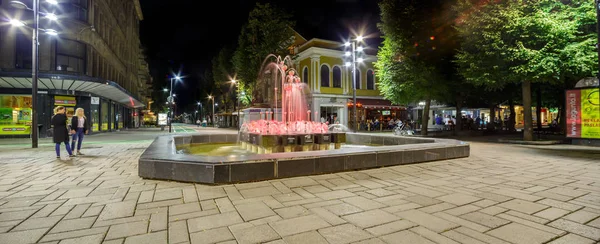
{"points": [[285, 126], [280, 122]]}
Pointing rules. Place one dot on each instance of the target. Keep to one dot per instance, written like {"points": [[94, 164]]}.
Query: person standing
{"points": [[60, 133], [78, 128]]}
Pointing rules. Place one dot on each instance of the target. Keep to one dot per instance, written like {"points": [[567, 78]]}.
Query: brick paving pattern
{"points": [[501, 194]]}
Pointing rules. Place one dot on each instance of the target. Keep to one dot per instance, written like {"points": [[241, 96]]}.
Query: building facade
{"points": [[95, 62], [320, 64]]}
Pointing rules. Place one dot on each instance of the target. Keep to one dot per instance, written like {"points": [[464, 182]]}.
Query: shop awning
{"points": [[48, 81], [377, 104]]}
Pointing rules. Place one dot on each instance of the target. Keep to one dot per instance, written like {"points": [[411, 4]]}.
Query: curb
{"points": [[549, 142]]}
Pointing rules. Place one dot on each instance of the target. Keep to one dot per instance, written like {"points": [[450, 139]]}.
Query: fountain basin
{"points": [[162, 160]]}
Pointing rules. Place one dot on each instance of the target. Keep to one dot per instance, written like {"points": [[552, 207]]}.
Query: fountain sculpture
{"points": [[287, 125]]}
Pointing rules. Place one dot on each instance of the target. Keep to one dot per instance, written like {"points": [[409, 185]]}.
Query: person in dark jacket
{"points": [[61, 133], [79, 126]]}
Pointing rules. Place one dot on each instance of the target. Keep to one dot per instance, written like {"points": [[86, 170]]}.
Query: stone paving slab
{"points": [[501, 194]]}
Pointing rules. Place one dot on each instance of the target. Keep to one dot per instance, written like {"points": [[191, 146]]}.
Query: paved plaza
{"points": [[500, 194]]}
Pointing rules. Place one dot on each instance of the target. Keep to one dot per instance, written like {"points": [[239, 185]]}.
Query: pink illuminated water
{"points": [[289, 94]]}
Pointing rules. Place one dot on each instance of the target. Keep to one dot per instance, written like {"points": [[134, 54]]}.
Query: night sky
{"points": [[185, 35]]}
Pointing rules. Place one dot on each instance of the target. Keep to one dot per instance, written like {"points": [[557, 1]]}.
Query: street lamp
{"points": [[200, 107], [237, 87], [213, 109], [171, 101], [34, 57], [352, 51]]}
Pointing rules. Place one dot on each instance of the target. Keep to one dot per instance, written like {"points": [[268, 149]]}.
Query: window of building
{"points": [[357, 77], [77, 9], [23, 52], [337, 77], [305, 75], [370, 80], [324, 75], [104, 115], [70, 56]]}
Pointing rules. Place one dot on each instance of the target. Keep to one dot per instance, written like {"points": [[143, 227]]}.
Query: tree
{"points": [[222, 68], [412, 64], [268, 31], [540, 41]]}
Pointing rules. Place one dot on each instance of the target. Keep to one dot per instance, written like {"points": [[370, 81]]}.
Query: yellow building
{"points": [[321, 64]]}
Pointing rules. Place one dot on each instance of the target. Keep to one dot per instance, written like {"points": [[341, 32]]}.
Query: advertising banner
{"points": [[64, 101], [162, 119], [583, 113], [15, 115]]}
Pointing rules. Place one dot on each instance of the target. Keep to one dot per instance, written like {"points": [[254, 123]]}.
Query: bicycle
{"points": [[403, 130]]}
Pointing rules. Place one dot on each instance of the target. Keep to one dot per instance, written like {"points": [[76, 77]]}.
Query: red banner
{"points": [[574, 113]]}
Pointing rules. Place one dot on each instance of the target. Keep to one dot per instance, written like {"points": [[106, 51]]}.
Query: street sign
{"points": [[162, 119], [95, 100]]}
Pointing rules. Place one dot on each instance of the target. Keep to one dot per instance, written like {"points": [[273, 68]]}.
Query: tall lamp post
{"points": [[171, 100], [352, 52], [213, 109], [34, 56], [200, 107], [237, 90]]}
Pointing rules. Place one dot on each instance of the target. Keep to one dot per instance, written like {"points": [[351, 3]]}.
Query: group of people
{"points": [[387, 124], [74, 131]]}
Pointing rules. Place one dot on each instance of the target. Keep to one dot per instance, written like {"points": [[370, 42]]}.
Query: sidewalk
{"points": [[501, 194], [117, 137], [131, 135]]}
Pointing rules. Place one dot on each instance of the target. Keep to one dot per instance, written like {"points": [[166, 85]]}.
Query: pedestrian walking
{"points": [[79, 127], [60, 133]]}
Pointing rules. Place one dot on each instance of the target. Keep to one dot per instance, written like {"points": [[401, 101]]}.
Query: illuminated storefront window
{"points": [[104, 115], [15, 115], [68, 102]]}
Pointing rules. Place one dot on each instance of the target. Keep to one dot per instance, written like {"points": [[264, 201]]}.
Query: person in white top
{"points": [[79, 126]]}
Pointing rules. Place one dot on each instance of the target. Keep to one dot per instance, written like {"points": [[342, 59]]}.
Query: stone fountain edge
{"points": [[162, 161]]}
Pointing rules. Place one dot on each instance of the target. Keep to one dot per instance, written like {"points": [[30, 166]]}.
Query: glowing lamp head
{"points": [[359, 38], [348, 54], [16, 22], [360, 49], [54, 2], [51, 16], [51, 32], [360, 60], [165, 89], [348, 64], [178, 77], [347, 44]]}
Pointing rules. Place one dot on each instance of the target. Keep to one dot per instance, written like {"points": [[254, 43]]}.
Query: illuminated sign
{"points": [[162, 119], [64, 101], [583, 113]]}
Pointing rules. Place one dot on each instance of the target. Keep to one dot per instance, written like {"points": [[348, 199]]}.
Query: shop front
{"points": [[329, 108], [547, 115], [15, 115], [376, 110], [108, 106]]}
